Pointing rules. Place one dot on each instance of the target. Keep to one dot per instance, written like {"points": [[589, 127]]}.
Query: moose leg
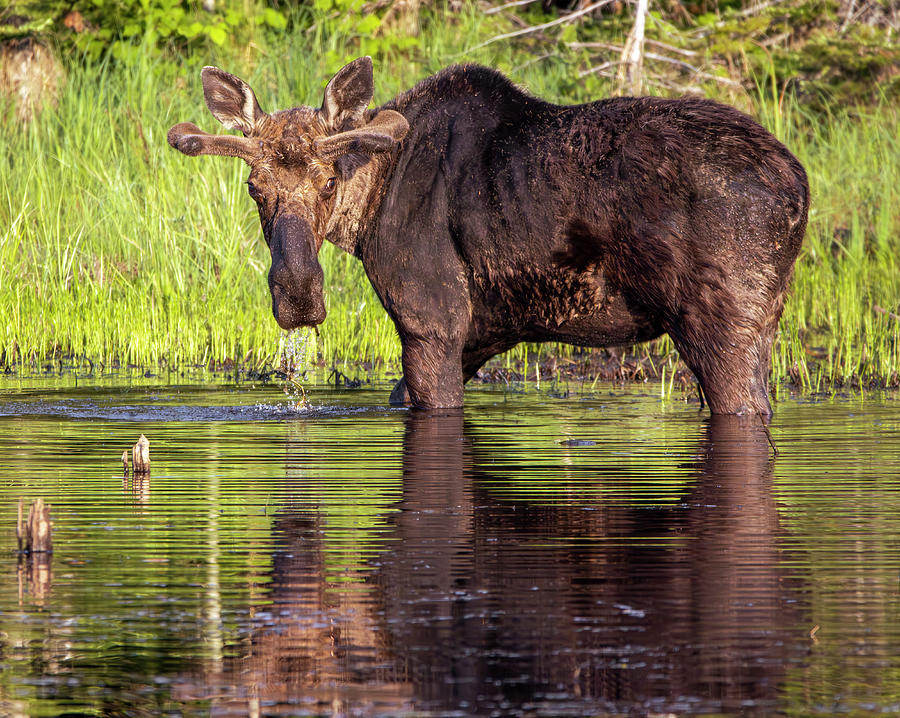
{"points": [[730, 361], [399, 394], [432, 374], [472, 361], [736, 384], [763, 355]]}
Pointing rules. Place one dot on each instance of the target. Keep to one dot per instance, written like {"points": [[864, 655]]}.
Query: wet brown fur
{"points": [[498, 218]]}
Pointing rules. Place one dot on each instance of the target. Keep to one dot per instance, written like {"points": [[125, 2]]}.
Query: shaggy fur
{"points": [[496, 217]]}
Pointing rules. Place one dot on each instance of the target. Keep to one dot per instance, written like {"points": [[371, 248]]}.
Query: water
{"points": [[602, 554]]}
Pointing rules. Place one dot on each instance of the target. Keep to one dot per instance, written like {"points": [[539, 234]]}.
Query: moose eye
{"points": [[330, 185], [253, 190]]}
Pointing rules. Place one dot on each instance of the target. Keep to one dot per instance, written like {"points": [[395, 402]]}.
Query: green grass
{"points": [[832, 330], [116, 248]]}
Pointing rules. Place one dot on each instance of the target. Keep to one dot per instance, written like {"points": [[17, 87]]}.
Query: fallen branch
{"points": [[671, 48], [599, 68], [758, 8], [672, 61], [533, 60], [696, 71], [704, 30], [618, 49]]}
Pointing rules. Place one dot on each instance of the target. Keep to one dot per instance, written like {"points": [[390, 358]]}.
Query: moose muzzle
{"points": [[295, 278]]}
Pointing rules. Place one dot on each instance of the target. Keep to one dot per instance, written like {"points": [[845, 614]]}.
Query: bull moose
{"points": [[484, 217]]}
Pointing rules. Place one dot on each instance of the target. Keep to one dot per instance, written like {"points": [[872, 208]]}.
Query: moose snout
{"points": [[295, 279]]}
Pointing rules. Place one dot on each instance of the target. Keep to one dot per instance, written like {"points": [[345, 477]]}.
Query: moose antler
{"points": [[380, 135], [186, 137]]}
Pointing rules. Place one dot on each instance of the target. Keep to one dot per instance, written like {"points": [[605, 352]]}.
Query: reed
{"points": [[117, 250], [840, 322]]}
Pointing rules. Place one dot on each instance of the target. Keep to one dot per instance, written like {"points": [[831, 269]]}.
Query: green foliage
{"points": [[808, 48], [840, 324], [823, 51], [22, 27], [125, 28], [360, 29], [121, 23]]}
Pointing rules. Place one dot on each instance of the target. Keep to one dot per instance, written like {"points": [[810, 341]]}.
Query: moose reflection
{"points": [[481, 602]]}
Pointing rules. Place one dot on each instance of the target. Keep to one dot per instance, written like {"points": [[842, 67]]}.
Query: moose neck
{"points": [[358, 202]]}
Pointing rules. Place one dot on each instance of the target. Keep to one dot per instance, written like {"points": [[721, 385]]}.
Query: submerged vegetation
{"points": [[114, 250]]}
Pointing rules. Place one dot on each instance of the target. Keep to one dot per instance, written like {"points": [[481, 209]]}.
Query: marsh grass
{"points": [[832, 331], [117, 249]]}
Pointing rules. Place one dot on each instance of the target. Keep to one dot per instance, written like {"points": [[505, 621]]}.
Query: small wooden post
{"points": [[35, 550], [40, 538], [34, 535], [20, 529], [125, 463], [140, 456]]}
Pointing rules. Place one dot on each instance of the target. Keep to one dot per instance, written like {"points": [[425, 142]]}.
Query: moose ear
{"points": [[230, 100], [348, 94]]}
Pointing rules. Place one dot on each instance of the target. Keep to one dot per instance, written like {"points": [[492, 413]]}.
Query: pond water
{"points": [[599, 554]]}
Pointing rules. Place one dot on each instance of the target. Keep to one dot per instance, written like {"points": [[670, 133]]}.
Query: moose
{"points": [[485, 216]]}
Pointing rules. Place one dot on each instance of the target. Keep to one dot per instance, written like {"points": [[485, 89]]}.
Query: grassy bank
{"points": [[115, 248], [841, 323]]}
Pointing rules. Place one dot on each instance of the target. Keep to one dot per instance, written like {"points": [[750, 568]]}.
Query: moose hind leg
{"points": [[730, 360]]}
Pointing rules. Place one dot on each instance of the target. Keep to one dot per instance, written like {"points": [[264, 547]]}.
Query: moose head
{"points": [[300, 162]]}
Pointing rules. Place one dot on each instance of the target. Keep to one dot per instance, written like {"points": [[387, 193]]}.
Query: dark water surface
{"points": [[596, 555]]}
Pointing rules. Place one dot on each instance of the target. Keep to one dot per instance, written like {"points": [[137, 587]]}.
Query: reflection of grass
{"points": [[116, 248]]}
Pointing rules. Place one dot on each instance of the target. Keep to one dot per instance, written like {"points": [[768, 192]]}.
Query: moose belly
{"points": [[601, 329], [573, 307], [611, 321]]}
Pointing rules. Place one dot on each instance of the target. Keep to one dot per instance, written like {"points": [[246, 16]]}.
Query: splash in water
{"points": [[295, 351]]}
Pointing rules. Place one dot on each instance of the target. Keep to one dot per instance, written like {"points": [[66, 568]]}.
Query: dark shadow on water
{"points": [[488, 605]]}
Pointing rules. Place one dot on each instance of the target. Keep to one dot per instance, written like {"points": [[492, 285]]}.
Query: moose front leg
{"points": [[432, 375], [429, 303], [400, 393], [471, 361]]}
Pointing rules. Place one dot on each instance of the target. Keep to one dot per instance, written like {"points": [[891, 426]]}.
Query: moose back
{"points": [[485, 217]]}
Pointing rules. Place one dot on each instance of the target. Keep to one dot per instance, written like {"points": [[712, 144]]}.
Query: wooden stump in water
{"points": [[140, 466], [140, 456], [35, 550], [34, 535], [35, 573]]}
